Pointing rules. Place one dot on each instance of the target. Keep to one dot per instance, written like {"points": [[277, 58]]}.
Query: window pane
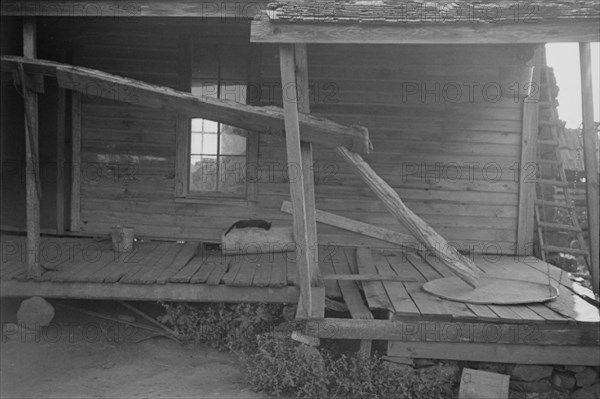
{"points": [[233, 140], [204, 143], [232, 175], [205, 89], [203, 173]]}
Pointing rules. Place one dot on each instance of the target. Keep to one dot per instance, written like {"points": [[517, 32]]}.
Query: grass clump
{"points": [[277, 365]]}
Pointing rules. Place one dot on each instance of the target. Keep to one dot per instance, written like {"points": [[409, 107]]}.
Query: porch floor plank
{"points": [[262, 274], [183, 257], [204, 270], [185, 274], [245, 275], [396, 290]]}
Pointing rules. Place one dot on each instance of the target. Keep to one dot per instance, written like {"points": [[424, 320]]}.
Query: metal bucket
{"points": [[122, 238]]}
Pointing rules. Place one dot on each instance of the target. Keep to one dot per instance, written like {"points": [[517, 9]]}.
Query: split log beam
{"points": [[367, 277], [590, 143], [265, 120], [32, 178], [305, 261], [302, 94], [459, 264], [356, 226]]}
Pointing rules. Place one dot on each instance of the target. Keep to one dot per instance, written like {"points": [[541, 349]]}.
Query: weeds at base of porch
{"points": [[278, 365]]}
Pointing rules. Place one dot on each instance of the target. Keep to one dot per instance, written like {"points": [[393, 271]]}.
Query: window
{"points": [[218, 153]]}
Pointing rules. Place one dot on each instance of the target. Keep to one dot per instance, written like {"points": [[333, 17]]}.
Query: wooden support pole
{"points": [[459, 264], [303, 96], [294, 156], [75, 161], [529, 130], [60, 160], [32, 181], [590, 143]]}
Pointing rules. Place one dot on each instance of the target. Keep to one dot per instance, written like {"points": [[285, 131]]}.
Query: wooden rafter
{"points": [[265, 31], [269, 120]]}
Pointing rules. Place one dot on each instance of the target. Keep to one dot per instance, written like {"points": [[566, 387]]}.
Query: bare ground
{"points": [[82, 357]]}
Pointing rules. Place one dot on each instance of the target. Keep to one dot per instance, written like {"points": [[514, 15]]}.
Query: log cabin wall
{"points": [[451, 156]]}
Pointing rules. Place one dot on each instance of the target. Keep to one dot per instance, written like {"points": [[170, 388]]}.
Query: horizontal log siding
{"points": [[451, 157], [350, 84]]}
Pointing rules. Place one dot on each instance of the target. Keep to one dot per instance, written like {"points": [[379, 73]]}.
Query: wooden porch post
{"points": [[32, 182], [590, 143], [529, 132], [296, 170]]}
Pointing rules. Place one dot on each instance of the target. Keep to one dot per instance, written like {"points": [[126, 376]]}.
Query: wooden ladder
{"points": [[553, 199]]}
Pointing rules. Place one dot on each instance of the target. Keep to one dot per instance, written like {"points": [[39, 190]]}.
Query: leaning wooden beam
{"points": [[590, 143], [305, 262], [32, 178], [266, 120], [302, 94], [356, 226], [423, 232]]}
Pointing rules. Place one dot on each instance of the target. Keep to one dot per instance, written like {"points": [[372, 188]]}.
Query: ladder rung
{"points": [[558, 226], [550, 161], [553, 182], [575, 251], [548, 142], [554, 204]]}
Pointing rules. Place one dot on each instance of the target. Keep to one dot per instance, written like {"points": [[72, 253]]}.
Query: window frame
{"points": [[184, 133]]}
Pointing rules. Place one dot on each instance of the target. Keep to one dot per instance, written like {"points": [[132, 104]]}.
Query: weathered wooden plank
{"points": [[149, 274], [332, 289], [590, 144], [571, 30], [455, 309], [203, 269], [306, 152], [185, 274], [530, 127], [235, 265], [352, 297], [396, 291], [375, 293], [278, 274], [32, 178], [183, 257], [75, 161], [60, 159], [523, 354], [430, 330], [262, 274], [143, 252], [307, 268], [291, 270], [245, 275], [149, 292], [269, 120], [218, 272], [356, 226], [426, 235], [139, 268], [217, 10]]}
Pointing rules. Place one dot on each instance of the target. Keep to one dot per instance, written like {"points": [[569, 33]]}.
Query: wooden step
{"points": [[567, 250], [550, 182], [553, 204], [558, 226]]}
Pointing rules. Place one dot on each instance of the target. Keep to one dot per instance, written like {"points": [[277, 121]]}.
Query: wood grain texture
{"points": [[426, 235], [590, 144]]}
